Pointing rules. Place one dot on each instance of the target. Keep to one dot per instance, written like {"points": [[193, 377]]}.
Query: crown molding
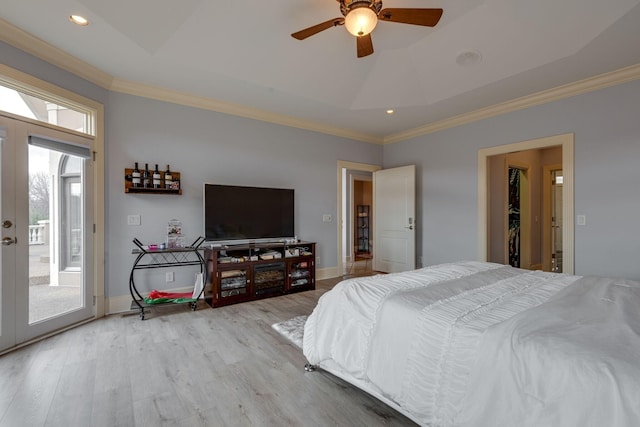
{"points": [[43, 50], [61, 59], [590, 84], [190, 100], [53, 55]]}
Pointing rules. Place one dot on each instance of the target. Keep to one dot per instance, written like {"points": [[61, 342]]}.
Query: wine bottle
{"points": [[168, 178], [156, 177], [135, 176], [146, 183]]}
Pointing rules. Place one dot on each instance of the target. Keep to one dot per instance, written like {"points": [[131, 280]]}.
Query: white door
{"points": [[47, 230], [394, 219]]}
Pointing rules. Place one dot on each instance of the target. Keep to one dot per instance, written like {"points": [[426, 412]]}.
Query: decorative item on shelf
{"points": [[156, 177], [175, 238], [151, 182], [136, 176], [175, 184], [168, 179], [146, 183], [291, 252]]}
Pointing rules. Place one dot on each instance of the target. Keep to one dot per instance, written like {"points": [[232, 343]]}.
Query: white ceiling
{"points": [[241, 52]]}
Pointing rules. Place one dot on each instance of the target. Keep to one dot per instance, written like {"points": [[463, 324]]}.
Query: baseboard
{"points": [[122, 303], [327, 273]]}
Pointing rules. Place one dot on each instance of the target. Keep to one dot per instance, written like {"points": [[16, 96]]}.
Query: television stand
{"points": [[247, 272]]}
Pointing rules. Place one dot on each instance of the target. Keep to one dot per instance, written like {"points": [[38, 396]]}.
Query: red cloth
{"points": [[160, 294]]}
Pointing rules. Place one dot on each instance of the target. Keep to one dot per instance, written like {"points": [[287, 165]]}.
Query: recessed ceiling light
{"points": [[390, 111], [467, 58], [79, 20]]}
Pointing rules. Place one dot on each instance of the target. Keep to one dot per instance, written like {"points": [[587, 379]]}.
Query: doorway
{"points": [[492, 218], [46, 261], [393, 207], [360, 242], [553, 218], [518, 214], [355, 196]]}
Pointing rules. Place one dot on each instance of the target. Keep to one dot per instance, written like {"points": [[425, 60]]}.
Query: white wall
{"points": [[607, 178]]}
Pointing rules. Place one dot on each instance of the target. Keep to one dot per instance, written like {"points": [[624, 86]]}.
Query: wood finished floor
{"points": [[212, 367]]}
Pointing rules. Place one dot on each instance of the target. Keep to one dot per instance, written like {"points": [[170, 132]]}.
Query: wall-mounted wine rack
{"points": [[174, 188]]}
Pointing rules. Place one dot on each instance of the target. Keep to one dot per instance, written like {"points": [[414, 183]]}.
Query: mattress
{"points": [[427, 342]]}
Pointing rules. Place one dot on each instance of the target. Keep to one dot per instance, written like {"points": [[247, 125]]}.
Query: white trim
{"points": [[547, 214], [567, 143], [58, 57], [122, 303], [189, 100], [328, 273], [623, 75], [41, 49], [37, 86], [364, 167]]}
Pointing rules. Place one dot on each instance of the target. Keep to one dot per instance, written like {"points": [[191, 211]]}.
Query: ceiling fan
{"points": [[361, 17]]}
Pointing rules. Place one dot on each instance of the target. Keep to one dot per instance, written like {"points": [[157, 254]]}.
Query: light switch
{"points": [[133, 220], [582, 220], [326, 218]]}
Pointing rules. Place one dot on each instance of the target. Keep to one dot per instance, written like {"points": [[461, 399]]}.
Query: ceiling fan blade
{"points": [[365, 46], [425, 17], [308, 32]]}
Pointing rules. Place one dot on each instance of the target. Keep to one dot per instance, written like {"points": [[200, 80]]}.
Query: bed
{"points": [[483, 344]]}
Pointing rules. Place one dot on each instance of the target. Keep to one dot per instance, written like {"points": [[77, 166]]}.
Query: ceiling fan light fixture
{"points": [[361, 20]]}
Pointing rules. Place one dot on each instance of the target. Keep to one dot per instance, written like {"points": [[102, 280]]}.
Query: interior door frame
{"points": [[566, 141], [360, 167], [547, 170]]}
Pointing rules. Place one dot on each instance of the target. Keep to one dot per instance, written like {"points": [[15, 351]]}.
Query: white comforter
{"points": [[482, 344]]}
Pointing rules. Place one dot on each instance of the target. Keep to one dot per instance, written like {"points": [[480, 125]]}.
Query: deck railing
{"points": [[39, 234]]}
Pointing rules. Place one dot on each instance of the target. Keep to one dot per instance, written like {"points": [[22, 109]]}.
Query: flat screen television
{"points": [[239, 214]]}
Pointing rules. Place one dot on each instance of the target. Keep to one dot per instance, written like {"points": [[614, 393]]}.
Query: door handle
{"points": [[7, 224], [9, 241]]}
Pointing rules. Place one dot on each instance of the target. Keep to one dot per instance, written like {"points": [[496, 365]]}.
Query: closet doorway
{"points": [[542, 234]]}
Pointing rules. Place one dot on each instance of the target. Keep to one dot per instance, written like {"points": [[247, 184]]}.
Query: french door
{"points": [[46, 208]]}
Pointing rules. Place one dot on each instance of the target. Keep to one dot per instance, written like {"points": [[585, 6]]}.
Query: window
{"points": [[38, 106]]}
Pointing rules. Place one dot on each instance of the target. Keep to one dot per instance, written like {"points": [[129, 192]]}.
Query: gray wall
{"points": [[210, 147], [607, 177], [19, 60], [206, 146]]}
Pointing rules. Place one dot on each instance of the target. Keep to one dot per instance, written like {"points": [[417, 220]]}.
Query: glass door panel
{"points": [[47, 215], [55, 233]]}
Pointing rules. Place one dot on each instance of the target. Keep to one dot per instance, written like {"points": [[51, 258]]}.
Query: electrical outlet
{"points": [[169, 276], [133, 219]]}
